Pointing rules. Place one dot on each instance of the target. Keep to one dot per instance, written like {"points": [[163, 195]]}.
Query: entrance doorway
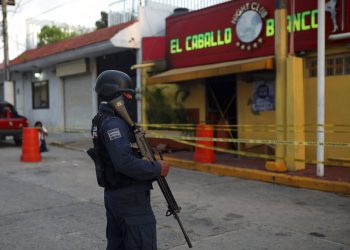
{"points": [[221, 93]]}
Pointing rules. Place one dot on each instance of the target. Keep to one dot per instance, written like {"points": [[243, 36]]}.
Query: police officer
{"points": [[130, 220]]}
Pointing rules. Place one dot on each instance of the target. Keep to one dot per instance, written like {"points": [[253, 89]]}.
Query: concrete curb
{"points": [[251, 174], [259, 175]]}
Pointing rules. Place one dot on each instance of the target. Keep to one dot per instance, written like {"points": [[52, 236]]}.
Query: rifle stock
{"points": [[147, 152]]}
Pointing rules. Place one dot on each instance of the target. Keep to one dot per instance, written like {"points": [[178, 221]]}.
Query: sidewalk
{"points": [[336, 179]]}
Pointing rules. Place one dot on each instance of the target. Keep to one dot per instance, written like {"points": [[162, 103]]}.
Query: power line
{"points": [[54, 8], [17, 7], [27, 2]]}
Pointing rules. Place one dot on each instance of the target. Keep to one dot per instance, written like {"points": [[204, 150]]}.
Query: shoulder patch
{"points": [[114, 134]]}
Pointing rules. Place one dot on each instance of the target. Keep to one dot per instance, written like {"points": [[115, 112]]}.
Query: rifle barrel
{"points": [[183, 230], [173, 208]]}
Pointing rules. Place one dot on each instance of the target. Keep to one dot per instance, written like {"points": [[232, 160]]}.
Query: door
{"points": [[222, 108], [77, 102]]}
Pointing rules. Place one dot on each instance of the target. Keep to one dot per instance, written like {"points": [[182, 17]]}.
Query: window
{"points": [[330, 66], [40, 95], [338, 65], [335, 65], [312, 68], [347, 65]]}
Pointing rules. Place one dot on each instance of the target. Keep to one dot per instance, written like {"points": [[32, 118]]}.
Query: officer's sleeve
{"points": [[115, 137]]}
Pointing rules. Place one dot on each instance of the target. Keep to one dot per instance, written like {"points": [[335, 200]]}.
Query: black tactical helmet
{"points": [[111, 83]]}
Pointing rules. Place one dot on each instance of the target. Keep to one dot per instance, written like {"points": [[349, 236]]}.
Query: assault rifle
{"points": [[148, 153]]}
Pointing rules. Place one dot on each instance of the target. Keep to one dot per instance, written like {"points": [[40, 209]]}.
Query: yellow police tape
{"points": [[165, 125], [252, 141], [308, 128], [184, 140]]}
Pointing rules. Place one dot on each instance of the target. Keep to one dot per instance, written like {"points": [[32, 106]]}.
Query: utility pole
{"points": [[8, 85], [5, 40]]}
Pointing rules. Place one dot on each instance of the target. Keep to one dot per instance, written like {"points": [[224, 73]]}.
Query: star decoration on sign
{"points": [[250, 46]]}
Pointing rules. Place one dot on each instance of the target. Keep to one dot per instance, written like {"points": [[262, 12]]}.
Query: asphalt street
{"points": [[56, 204]]}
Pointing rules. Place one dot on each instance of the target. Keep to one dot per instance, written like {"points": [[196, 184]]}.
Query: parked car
{"points": [[11, 123]]}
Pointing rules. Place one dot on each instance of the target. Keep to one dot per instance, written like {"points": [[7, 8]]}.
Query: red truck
{"points": [[11, 123]]}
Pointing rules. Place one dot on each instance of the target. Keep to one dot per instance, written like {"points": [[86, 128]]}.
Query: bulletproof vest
{"points": [[110, 178]]}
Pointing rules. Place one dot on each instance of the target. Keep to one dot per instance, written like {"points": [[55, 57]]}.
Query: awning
{"points": [[210, 70]]}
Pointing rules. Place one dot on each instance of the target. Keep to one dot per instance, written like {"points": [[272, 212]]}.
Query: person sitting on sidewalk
{"points": [[42, 133]]}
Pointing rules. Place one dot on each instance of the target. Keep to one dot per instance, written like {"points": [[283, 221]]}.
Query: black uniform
{"points": [[130, 220]]}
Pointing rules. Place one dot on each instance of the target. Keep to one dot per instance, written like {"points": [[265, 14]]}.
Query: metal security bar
{"points": [[122, 11]]}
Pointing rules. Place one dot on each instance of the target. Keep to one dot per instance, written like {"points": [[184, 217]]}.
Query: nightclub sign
{"points": [[239, 30], [248, 21]]}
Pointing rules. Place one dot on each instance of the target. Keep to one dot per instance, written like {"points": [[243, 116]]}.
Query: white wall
{"points": [[52, 117], [9, 92], [151, 22], [18, 88], [152, 18]]}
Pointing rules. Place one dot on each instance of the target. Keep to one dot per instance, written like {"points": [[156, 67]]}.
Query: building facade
{"points": [[225, 57]]}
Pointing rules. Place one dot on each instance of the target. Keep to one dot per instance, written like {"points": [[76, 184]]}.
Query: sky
{"points": [[72, 12]]}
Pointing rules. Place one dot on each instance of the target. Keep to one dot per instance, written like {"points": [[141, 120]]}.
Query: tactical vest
{"points": [[106, 176]]}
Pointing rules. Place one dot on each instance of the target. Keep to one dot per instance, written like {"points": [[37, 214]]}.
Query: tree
{"points": [[159, 109], [52, 34], [103, 22]]}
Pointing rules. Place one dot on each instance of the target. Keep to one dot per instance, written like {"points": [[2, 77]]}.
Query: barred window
{"points": [[40, 95], [313, 68], [335, 65], [347, 65], [330, 67], [339, 65]]}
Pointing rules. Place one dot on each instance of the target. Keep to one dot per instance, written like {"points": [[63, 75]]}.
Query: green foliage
{"points": [[158, 109], [52, 34], [103, 22]]}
